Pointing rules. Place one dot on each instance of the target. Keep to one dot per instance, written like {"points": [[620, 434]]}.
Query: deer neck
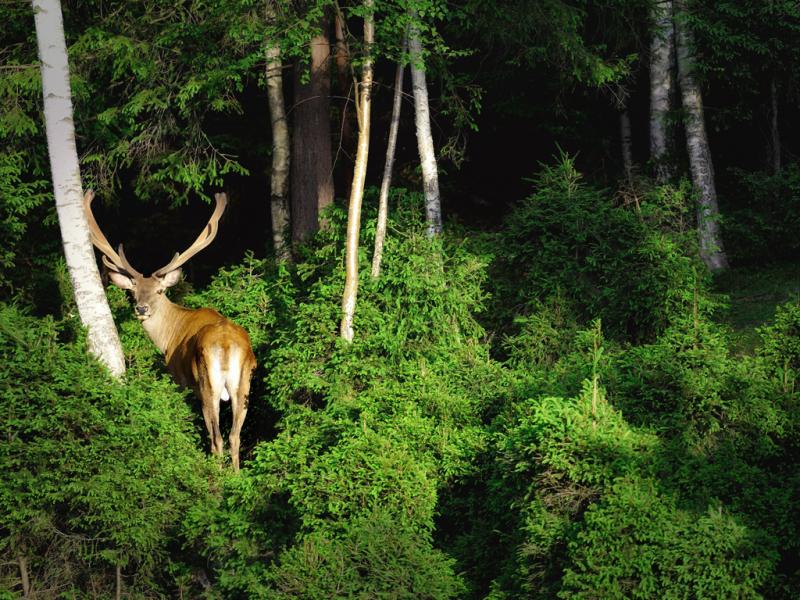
{"points": [[164, 327]]}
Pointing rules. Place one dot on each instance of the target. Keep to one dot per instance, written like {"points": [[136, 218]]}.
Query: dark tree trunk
{"points": [[279, 176], [312, 167], [775, 136], [345, 153], [626, 144]]}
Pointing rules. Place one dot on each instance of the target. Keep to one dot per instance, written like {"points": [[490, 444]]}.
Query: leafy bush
{"points": [[605, 509], [343, 500], [688, 380], [630, 266], [636, 543], [378, 557], [19, 198], [556, 457], [763, 217], [781, 345], [95, 474]]}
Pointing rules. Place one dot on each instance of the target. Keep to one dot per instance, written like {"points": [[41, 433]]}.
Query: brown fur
{"points": [[203, 350]]}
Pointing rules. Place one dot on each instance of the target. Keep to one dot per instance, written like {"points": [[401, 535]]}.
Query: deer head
{"points": [[148, 292]]}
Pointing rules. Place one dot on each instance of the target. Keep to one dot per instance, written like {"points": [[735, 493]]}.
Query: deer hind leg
{"points": [[210, 386], [239, 385]]}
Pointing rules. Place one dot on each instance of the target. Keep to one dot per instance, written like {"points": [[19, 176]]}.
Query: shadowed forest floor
{"points": [[753, 294]]}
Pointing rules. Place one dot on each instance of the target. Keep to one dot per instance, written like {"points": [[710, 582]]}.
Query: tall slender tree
{"points": [[386, 182], [422, 119], [363, 110], [281, 150], [90, 297], [661, 52], [625, 132], [711, 249], [312, 162], [774, 131]]}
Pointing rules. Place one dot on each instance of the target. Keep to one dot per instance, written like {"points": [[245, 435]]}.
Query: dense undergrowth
{"points": [[549, 410]]}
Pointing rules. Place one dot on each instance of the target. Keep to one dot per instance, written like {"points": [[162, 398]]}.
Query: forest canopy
{"points": [[519, 279]]}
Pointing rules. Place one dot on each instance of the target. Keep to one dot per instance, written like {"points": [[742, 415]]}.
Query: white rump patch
{"points": [[218, 376]]}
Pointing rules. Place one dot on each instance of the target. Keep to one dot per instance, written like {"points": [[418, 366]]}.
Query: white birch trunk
{"points": [[701, 166], [626, 145], [90, 297], [661, 49], [279, 178], [383, 199], [359, 177], [422, 117]]}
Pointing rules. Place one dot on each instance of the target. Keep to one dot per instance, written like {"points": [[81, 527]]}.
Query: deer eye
{"points": [[159, 292]]}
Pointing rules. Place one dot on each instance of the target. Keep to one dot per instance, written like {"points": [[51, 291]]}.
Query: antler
{"points": [[113, 260], [204, 239]]}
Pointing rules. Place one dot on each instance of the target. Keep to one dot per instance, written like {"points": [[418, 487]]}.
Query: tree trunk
{"points": [[23, 575], [383, 199], [346, 135], [279, 177], [312, 166], [118, 591], [702, 168], [359, 176], [625, 141], [90, 297], [661, 49], [775, 136], [422, 117]]}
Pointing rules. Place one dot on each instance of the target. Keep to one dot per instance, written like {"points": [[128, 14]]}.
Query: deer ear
{"points": [[171, 278], [120, 280]]}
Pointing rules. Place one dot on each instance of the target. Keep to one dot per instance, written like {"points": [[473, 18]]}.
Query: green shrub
{"points": [[21, 201], [688, 382], [781, 345], [636, 543], [634, 267], [379, 556], [762, 221], [95, 473], [343, 500]]}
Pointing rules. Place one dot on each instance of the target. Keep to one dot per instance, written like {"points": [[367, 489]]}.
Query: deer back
{"points": [[189, 336]]}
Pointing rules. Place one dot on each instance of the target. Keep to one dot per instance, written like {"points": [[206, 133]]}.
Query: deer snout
{"points": [[141, 309]]}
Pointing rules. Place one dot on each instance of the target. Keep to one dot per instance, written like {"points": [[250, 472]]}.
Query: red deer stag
{"points": [[204, 351]]}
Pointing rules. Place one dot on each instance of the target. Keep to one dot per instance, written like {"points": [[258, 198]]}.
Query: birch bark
{"points": [[422, 117], [386, 183], [359, 177], [711, 249], [90, 297], [661, 50]]}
